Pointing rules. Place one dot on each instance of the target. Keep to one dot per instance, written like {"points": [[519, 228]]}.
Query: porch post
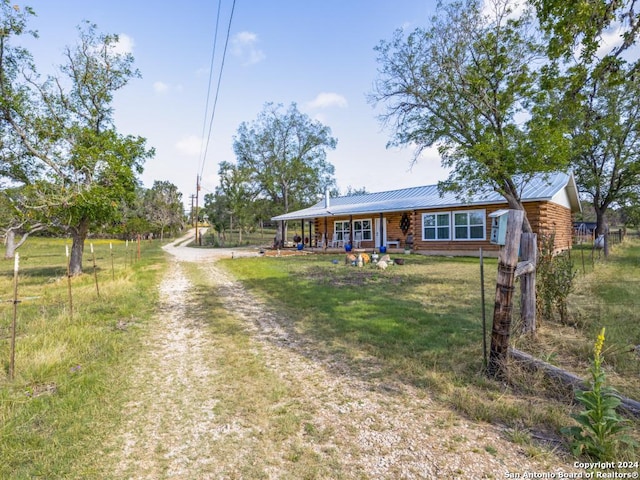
{"points": [[382, 240], [326, 233]]}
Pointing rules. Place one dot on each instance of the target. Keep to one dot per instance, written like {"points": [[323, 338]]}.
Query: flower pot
{"points": [[383, 249], [347, 247], [300, 246]]}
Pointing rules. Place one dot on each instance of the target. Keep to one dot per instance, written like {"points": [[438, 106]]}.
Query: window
{"points": [[342, 230], [469, 225], [435, 226], [364, 227]]}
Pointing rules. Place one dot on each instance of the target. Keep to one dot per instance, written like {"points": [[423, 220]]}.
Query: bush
{"points": [[555, 276]]}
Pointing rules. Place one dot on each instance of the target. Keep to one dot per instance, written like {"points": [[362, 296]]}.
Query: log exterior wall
{"points": [[544, 217], [550, 218]]}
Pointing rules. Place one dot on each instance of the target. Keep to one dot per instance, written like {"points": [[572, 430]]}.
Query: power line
{"points": [[215, 102], [206, 107]]}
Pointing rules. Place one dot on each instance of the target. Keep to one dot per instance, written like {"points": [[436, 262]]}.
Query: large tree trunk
{"points": [[10, 244], [78, 234], [601, 228], [510, 194]]}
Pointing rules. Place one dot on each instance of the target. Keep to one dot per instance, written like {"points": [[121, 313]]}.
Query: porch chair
{"points": [[335, 242], [357, 239]]}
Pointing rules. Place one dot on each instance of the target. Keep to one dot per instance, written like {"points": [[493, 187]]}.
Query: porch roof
{"points": [[542, 187]]}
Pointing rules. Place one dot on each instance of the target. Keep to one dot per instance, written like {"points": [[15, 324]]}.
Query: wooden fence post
{"points": [[66, 248], [95, 270], [529, 254], [12, 359], [113, 271], [507, 263]]}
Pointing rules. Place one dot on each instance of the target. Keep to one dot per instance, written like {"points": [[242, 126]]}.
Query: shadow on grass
{"points": [[387, 325]]}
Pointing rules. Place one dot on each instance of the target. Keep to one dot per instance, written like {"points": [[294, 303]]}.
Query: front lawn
{"points": [[421, 324]]}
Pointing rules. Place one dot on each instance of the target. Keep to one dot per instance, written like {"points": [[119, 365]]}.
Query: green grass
{"points": [[420, 323], [67, 383], [423, 311]]}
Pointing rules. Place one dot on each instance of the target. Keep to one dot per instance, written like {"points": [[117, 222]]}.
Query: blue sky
{"points": [[319, 54]]}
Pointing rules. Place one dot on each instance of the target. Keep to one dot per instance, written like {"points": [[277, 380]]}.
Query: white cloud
{"points": [[244, 46], [327, 100], [189, 145], [125, 44], [160, 87], [610, 40]]}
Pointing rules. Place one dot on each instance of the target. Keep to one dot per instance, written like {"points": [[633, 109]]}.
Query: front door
{"points": [[379, 243]]}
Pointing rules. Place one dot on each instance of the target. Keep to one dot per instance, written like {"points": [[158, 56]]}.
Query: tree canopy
{"points": [[579, 26], [60, 135], [285, 156], [468, 84], [163, 207], [589, 45]]}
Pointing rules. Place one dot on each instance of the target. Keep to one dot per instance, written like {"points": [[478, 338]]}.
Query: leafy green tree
{"points": [[630, 210], [82, 167], [600, 92], [217, 208], [285, 154], [468, 84], [133, 220], [580, 25], [239, 194], [606, 143], [163, 207], [16, 218]]}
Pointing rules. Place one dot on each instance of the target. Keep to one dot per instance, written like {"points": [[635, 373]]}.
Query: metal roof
{"points": [[540, 188]]}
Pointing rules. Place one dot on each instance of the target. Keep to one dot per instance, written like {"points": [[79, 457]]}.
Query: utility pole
{"points": [[197, 197], [192, 198]]}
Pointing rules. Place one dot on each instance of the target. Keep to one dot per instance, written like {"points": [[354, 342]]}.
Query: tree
{"points": [[630, 211], [580, 25], [16, 218], [601, 96], [468, 84], [81, 167], [134, 219], [163, 206], [216, 207], [351, 191], [606, 143], [285, 156], [238, 193]]}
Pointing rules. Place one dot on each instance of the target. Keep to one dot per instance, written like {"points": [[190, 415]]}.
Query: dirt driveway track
{"points": [[348, 426]]}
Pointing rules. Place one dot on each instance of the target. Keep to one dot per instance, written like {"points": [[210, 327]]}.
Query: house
{"points": [[422, 219]]}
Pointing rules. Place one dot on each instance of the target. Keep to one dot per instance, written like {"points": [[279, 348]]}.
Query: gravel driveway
{"points": [[377, 431]]}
